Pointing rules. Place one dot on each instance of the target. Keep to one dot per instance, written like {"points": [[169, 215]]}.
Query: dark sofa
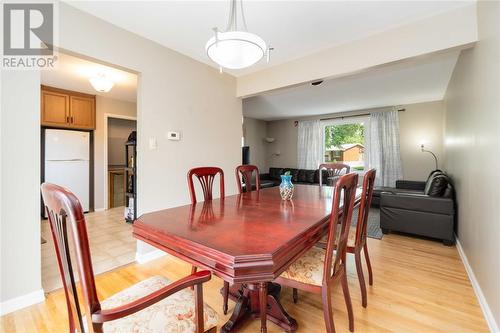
{"points": [[420, 208], [299, 176]]}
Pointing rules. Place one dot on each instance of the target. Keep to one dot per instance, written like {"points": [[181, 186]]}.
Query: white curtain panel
{"points": [[309, 144], [384, 151]]}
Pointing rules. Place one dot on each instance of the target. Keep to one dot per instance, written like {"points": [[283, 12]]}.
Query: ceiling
{"points": [[293, 28], [73, 73], [418, 80]]}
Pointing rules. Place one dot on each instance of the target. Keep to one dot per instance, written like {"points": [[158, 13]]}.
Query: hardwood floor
{"points": [[419, 286]]}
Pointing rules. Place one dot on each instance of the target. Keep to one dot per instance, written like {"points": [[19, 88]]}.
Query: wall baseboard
{"points": [[99, 209], [143, 258], [488, 315], [20, 302]]}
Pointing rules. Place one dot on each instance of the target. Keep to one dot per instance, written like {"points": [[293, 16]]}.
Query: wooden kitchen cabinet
{"points": [[55, 109], [67, 109]]}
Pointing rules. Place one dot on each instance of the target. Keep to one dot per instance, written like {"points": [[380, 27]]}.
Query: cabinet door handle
{"points": [[67, 119], [72, 119]]}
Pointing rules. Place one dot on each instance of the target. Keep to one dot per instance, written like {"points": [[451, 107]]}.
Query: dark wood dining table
{"points": [[248, 240]]}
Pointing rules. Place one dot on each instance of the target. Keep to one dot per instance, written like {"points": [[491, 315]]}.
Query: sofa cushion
{"points": [[429, 180], [417, 202], [275, 173], [437, 186], [311, 176], [294, 173], [301, 176]]}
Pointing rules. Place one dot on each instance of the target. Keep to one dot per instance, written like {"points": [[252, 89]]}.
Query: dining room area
{"points": [[289, 258]]}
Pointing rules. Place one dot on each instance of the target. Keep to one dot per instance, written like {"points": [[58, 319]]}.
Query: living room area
{"points": [[392, 114]]}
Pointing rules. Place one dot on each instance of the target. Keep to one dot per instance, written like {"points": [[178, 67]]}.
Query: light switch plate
{"points": [[153, 144]]}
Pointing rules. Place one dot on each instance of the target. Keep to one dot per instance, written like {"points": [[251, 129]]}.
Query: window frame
{"points": [[348, 120]]}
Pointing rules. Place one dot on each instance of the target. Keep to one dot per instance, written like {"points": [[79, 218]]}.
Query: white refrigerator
{"points": [[67, 162]]}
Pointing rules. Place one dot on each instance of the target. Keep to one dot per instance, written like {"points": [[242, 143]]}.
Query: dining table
{"points": [[246, 239]]}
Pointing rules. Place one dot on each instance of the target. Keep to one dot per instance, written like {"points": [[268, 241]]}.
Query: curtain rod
{"points": [[355, 115]]}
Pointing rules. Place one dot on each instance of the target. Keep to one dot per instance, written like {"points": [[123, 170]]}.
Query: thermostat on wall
{"points": [[176, 136]]}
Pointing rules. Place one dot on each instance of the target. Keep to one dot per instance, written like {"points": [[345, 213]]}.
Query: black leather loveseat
{"points": [[420, 208], [299, 176]]}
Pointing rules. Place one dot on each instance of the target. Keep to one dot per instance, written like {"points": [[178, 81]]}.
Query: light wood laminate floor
{"points": [[419, 286]]}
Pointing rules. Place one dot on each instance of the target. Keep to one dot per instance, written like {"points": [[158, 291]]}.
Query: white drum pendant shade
{"points": [[235, 49]]}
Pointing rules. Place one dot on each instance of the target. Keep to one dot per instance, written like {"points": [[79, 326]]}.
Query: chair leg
{"points": [[348, 303], [193, 270], [263, 307], [361, 277], [368, 263], [327, 310], [295, 295], [225, 296]]}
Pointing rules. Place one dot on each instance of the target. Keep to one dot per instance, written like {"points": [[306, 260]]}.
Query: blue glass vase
{"points": [[286, 187]]}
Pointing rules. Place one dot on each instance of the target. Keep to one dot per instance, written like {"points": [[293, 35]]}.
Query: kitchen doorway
{"points": [[86, 108]]}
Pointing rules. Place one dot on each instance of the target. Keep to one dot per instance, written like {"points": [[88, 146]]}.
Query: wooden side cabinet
{"points": [[67, 109]]}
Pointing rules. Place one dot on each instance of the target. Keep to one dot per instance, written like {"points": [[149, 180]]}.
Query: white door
{"points": [[74, 175], [63, 145]]}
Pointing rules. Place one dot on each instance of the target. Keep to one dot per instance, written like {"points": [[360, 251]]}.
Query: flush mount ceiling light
{"points": [[101, 83], [233, 48]]}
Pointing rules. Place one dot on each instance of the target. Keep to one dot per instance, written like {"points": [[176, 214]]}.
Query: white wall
{"points": [[449, 30], [105, 106], [472, 141], [254, 132], [419, 121], [20, 188], [174, 93]]}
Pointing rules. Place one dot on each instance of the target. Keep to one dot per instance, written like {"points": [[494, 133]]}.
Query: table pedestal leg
{"points": [[247, 298]]}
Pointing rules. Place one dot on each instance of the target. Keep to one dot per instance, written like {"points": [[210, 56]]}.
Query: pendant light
{"points": [[233, 48]]}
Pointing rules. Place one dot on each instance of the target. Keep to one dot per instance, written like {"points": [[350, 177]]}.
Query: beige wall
{"points": [[472, 144], [109, 107], [283, 151], [420, 121], [254, 132], [118, 132], [174, 93]]}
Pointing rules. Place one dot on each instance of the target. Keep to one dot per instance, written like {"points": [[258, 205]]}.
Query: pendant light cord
{"points": [[232, 24]]}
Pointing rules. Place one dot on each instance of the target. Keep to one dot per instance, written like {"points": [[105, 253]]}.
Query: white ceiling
{"points": [[293, 28], [418, 80], [73, 73]]}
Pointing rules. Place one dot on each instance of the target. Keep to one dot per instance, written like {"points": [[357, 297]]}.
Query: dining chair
{"points": [[320, 270], [206, 177], [356, 241], [152, 305], [333, 170], [244, 175]]}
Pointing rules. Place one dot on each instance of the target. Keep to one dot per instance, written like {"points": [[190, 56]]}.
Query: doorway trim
{"points": [[105, 157]]}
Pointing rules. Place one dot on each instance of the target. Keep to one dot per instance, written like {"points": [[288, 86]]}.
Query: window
{"points": [[345, 142]]}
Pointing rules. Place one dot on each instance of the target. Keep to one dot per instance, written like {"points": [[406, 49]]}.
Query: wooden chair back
{"points": [[66, 219], [334, 170], [344, 197], [244, 176], [206, 176], [364, 207]]}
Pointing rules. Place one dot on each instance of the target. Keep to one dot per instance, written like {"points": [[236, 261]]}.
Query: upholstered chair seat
{"points": [[174, 314], [351, 240], [308, 268]]}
